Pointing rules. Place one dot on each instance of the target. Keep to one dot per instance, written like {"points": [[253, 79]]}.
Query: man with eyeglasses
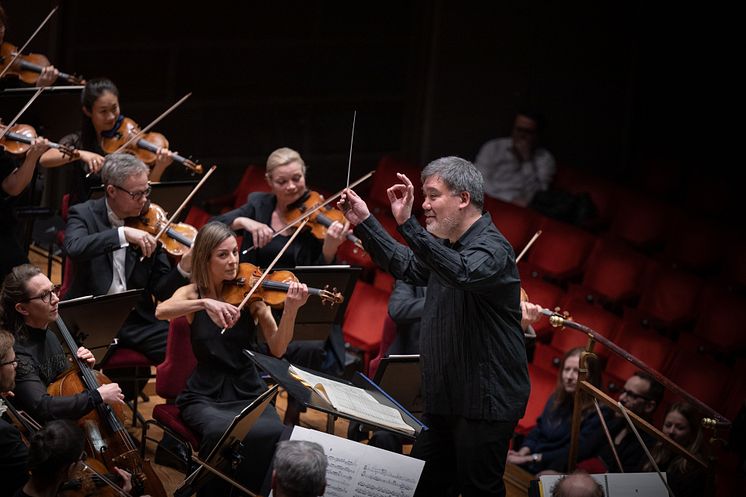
{"points": [[13, 452], [109, 257], [641, 395]]}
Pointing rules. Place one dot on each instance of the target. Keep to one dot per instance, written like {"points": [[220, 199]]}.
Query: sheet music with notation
{"points": [[358, 470]]}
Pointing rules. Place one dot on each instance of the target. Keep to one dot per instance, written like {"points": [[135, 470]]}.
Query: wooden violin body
{"points": [[320, 220], [19, 138], [273, 289], [144, 145], [28, 67], [176, 239]]}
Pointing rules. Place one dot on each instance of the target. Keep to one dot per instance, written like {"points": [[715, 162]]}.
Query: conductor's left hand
{"points": [[401, 197]]}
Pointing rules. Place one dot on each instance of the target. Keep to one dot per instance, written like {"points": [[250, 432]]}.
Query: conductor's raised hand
{"points": [[401, 197], [355, 209]]}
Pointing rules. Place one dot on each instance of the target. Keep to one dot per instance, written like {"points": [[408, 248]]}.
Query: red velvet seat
{"points": [[697, 244], [670, 297], [561, 251], [648, 346], [614, 272], [543, 384], [171, 378], [364, 318], [601, 192], [517, 224], [124, 358], [701, 376], [640, 220], [388, 335], [720, 321]]}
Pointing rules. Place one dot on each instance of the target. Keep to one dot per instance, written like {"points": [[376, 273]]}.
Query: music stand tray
{"points": [[315, 318], [220, 458], [95, 321], [278, 370], [401, 377]]}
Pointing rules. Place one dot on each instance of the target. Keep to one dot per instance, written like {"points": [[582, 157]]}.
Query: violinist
{"points": [[474, 368], [109, 257], [48, 75], [16, 175], [101, 118], [225, 380], [28, 304], [13, 452], [265, 213]]}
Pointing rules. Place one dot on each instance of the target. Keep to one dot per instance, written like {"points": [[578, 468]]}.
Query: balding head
{"points": [[577, 485]]}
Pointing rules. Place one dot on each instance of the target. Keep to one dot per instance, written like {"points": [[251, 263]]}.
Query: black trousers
{"points": [[463, 456]]}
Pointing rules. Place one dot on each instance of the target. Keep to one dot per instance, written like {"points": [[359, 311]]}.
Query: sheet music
{"points": [[359, 470], [354, 401]]}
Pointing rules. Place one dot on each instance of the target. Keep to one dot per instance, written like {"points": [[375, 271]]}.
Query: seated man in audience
{"points": [[642, 395], [516, 167], [299, 469]]}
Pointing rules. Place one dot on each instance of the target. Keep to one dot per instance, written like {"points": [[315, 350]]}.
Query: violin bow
{"points": [[352, 140], [147, 128], [20, 112], [119, 490], [183, 204], [528, 246], [309, 213], [269, 268], [33, 35]]}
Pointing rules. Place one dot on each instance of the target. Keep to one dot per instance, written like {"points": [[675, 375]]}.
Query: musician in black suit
{"points": [[108, 257]]}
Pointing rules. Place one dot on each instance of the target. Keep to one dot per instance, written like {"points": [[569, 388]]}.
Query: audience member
{"points": [[547, 446], [683, 426], [516, 167], [642, 395]]}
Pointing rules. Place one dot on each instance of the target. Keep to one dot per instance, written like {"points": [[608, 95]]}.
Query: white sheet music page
{"points": [[359, 470]]}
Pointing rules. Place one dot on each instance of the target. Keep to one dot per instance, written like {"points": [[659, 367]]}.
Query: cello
{"points": [[107, 440]]}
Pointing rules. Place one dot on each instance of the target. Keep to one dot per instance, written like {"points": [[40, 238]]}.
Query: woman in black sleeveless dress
{"points": [[225, 381]]}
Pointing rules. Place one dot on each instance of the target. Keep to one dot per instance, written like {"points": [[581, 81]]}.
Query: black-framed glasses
{"points": [[136, 195], [633, 395], [46, 295], [14, 362]]}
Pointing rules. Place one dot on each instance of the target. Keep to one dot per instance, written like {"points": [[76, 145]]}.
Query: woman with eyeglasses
{"points": [[101, 118], [546, 447], [28, 304]]}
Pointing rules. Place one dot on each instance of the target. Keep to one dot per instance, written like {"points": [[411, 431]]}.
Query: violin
{"points": [[144, 147], [19, 138], [29, 67], [320, 220], [177, 238], [107, 440], [273, 289]]}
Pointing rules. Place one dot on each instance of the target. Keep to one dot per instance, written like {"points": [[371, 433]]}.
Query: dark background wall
{"points": [[618, 83]]}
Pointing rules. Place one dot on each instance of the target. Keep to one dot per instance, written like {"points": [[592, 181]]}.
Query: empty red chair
{"points": [[388, 335], [253, 180], [640, 220], [615, 272], [695, 243], [646, 345], [595, 318], [547, 358], [517, 224], [197, 217], [364, 317], [601, 191], [720, 320], [543, 384], [670, 297], [561, 251], [701, 376]]}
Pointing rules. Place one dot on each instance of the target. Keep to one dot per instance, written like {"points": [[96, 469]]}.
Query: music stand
{"points": [[167, 194], [226, 453], [95, 321], [316, 318], [401, 377], [278, 370]]}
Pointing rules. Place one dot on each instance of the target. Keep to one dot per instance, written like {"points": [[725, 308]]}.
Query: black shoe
{"points": [[172, 454]]}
